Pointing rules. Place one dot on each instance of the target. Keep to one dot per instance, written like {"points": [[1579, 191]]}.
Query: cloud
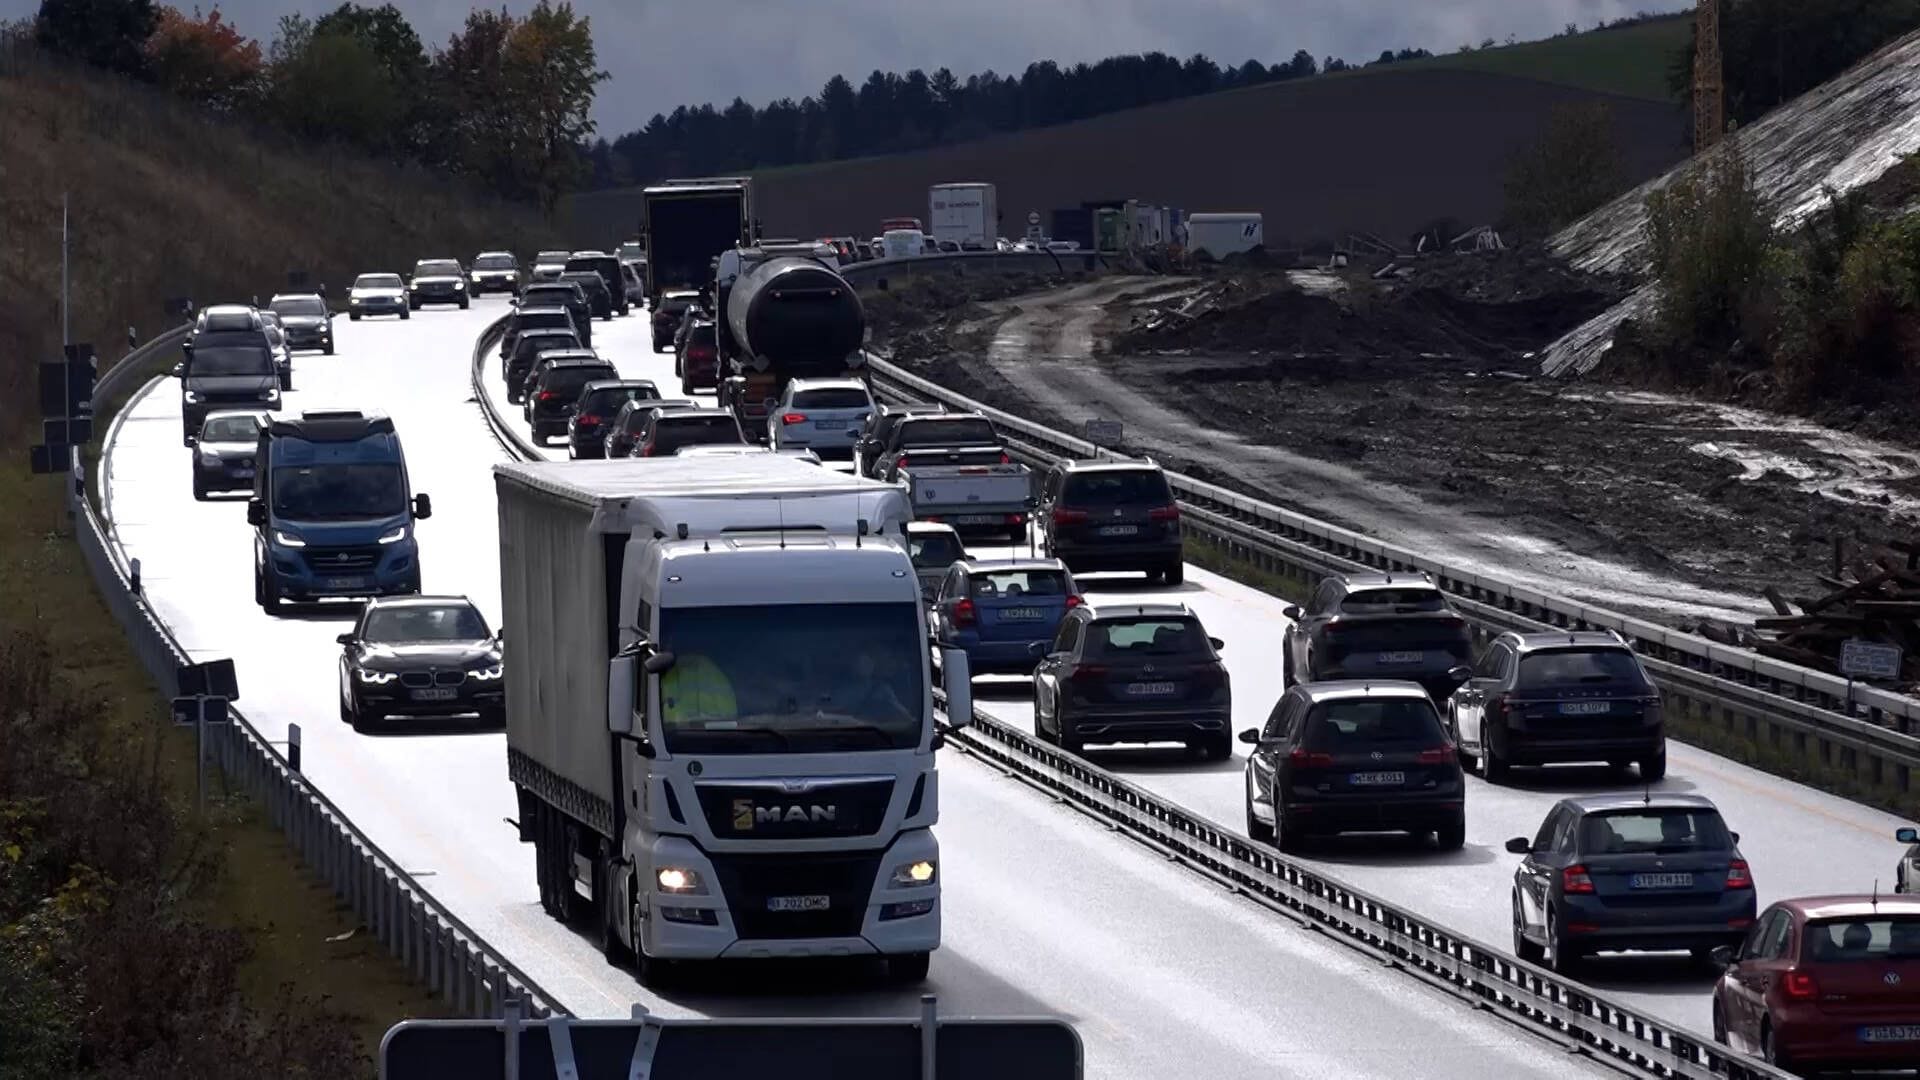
{"points": [[664, 53]]}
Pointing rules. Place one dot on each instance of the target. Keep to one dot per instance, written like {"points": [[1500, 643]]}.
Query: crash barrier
{"points": [[440, 951], [885, 273], [1560, 1008], [905, 1048], [1867, 734]]}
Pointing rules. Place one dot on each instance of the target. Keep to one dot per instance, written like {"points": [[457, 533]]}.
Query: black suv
{"points": [[551, 317], [668, 308], [1136, 673], [1377, 626], [225, 369], [666, 430], [305, 319], [560, 294], [1543, 699], [528, 346], [550, 404], [495, 271], [437, 281], [1112, 515], [1354, 757], [599, 402], [608, 267], [541, 361], [623, 431], [878, 428]]}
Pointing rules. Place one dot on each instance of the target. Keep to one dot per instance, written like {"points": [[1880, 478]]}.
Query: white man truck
{"points": [[720, 718]]}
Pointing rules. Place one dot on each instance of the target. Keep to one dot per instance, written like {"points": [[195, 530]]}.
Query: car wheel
{"points": [[354, 316], [1453, 835], [1070, 740], [908, 969], [1769, 1050], [1523, 947], [1559, 958], [1175, 573], [1216, 747], [1654, 768], [1719, 1024], [1492, 766], [1257, 831], [270, 600], [199, 488], [406, 313], [327, 350], [464, 302], [1287, 839]]}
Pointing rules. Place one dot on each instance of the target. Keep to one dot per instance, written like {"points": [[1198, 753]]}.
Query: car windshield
{"points": [[1560, 667], [330, 491], [454, 622], [377, 281], [553, 256], [533, 344], [230, 429], [436, 267], [1871, 939], [960, 431], [567, 381], [934, 550], [1119, 639], [606, 400], [1117, 487], [1403, 601], [300, 306], [999, 584], [1364, 724], [833, 397], [675, 432], [493, 262], [1654, 829], [797, 677], [230, 360], [555, 318], [594, 264]]}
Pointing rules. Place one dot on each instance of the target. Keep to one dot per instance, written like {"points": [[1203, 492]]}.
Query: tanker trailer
{"points": [[785, 313]]}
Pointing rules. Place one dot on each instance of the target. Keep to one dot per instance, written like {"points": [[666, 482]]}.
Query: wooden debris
{"points": [[1875, 598]]}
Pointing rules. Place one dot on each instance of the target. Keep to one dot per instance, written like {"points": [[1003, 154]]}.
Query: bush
{"points": [[1713, 253], [1570, 170]]}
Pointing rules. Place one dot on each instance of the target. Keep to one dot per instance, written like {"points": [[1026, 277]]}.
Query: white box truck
{"points": [[720, 719], [964, 214], [1221, 235]]}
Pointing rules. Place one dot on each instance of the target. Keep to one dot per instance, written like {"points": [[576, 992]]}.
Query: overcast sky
{"points": [[663, 53]]}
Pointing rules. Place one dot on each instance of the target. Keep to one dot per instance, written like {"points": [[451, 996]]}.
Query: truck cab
{"points": [[331, 511]]}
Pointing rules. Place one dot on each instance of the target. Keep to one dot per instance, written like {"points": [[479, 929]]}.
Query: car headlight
{"points": [[209, 459], [394, 535], [269, 394], [678, 879], [459, 284], [915, 873], [353, 299], [375, 678], [287, 539], [190, 397], [488, 674]]}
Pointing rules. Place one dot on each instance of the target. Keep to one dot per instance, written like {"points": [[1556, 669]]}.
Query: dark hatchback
{"points": [[668, 308], [550, 405], [699, 360], [1137, 673], [1646, 871], [595, 288], [666, 430], [598, 404], [1002, 612], [1354, 757], [538, 317], [608, 269], [1545, 699], [526, 348], [1377, 626], [623, 431], [421, 656], [1112, 515]]}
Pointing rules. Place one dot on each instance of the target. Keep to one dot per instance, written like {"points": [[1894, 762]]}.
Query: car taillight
{"points": [[1164, 513], [1301, 759], [1439, 755], [586, 420], [1068, 517], [1006, 458], [900, 462], [1074, 600], [963, 613], [800, 418], [1800, 986], [547, 395], [1089, 673], [1738, 875], [1574, 879], [645, 450]]}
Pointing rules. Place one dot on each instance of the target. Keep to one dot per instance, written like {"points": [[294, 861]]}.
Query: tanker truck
{"points": [[784, 313]]}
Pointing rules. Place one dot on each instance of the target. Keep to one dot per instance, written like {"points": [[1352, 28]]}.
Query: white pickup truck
{"points": [[972, 498]]}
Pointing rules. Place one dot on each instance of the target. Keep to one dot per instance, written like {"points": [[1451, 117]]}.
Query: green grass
{"points": [[1632, 61]]}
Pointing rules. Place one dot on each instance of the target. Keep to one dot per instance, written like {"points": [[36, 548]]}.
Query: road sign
{"points": [[46, 460], [77, 431], [211, 677], [1103, 432], [1869, 660], [186, 711], [660, 1048], [1033, 217], [179, 306]]}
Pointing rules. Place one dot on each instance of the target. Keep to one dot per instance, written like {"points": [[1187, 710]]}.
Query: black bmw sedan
{"points": [[420, 656]]}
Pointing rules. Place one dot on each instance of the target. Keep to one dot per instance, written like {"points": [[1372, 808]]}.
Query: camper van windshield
{"points": [[803, 678], [337, 491]]}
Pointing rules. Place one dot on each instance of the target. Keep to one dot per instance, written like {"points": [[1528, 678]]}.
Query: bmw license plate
{"points": [[1023, 614], [1585, 708], [1377, 779], [1402, 657], [1661, 881], [1119, 530], [799, 903], [434, 693], [346, 584], [1150, 689], [1891, 1033]]}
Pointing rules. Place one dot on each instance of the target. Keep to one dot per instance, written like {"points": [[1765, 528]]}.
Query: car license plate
{"points": [[1891, 1033], [1377, 779], [1023, 614], [435, 693], [977, 519], [1585, 708], [1150, 689], [345, 584], [1119, 530], [243, 473], [830, 425], [798, 903], [1402, 657], [1661, 881]]}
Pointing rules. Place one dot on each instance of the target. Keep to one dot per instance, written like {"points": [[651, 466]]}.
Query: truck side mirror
{"points": [[422, 507], [256, 513], [620, 680], [660, 663], [957, 680]]}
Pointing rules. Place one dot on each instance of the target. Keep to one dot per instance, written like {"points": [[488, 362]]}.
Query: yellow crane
{"points": [[1709, 91]]}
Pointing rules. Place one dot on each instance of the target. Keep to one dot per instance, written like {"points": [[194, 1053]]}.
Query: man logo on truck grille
{"points": [[746, 815]]}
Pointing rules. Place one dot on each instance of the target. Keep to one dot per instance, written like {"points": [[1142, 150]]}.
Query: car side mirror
{"points": [[346, 638], [1723, 955], [1291, 611], [659, 663], [1251, 736], [256, 513], [1460, 673], [1520, 845], [422, 507], [179, 371], [1038, 648], [1908, 835], [1216, 643], [187, 347]]}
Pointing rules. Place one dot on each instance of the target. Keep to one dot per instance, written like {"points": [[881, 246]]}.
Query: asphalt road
{"points": [[1047, 912]]}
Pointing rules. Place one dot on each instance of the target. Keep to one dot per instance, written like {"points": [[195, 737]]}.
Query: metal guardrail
{"points": [[1530, 996], [442, 952], [1772, 704]]}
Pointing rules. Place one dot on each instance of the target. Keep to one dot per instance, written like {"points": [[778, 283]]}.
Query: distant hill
{"points": [[1384, 149]]}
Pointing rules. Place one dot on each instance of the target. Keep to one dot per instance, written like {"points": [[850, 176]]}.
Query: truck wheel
{"points": [[543, 857], [615, 948], [907, 969], [270, 600]]}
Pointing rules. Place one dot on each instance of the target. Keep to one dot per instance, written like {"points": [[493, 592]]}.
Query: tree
{"points": [[204, 59], [110, 34], [551, 74], [1775, 50], [330, 87], [1571, 169], [388, 35]]}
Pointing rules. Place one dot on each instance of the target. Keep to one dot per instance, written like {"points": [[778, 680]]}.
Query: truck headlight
{"points": [[678, 879], [376, 678], [915, 873], [394, 535], [287, 539]]}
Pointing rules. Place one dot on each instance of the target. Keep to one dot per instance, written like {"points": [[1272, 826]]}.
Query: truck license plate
{"points": [[1661, 881], [798, 903], [346, 584], [1377, 779], [977, 519], [1891, 1033], [1119, 530], [1151, 689], [1402, 657], [434, 693], [1584, 708]]}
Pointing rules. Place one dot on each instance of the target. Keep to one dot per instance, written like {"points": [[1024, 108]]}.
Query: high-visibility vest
{"points": [[696, 689]]}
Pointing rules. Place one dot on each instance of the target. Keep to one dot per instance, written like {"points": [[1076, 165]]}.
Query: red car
{"points": [[700, 358], [1825, 982]]}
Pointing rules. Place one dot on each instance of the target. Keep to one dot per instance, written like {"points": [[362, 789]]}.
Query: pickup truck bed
{"points": [[979, 498]]}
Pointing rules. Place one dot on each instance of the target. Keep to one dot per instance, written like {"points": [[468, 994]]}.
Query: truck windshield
{"points": [[330, 492], [811, 678], [231, 360]]}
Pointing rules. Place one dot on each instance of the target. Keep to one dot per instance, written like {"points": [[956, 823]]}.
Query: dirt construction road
{"points": [[1658, 506]]}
